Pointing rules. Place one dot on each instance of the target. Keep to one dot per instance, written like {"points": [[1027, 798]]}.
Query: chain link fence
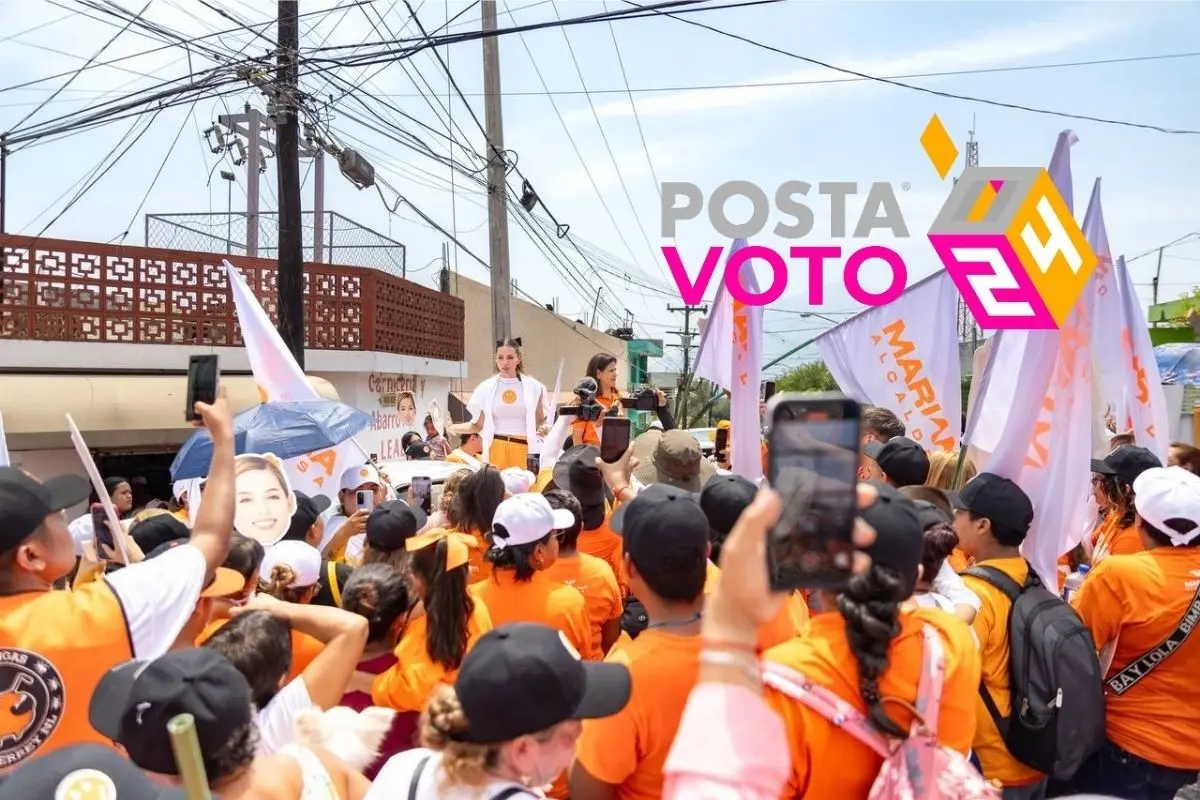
{"points": [[344, 241]]}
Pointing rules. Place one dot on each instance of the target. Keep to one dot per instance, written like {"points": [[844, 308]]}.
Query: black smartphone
{"points": [[768, 391], [100, 531], [203, 374], [422, 493], [614, 439], [720, 443], [533, 463], [813, 464]]}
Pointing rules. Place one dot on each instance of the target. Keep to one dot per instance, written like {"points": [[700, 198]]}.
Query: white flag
{"points": [[730, 356], [904, 357], [1142, 404], [279, 377], [4, 459], [1110, 373]]}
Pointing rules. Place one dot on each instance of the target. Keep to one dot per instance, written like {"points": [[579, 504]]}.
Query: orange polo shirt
{"points": [[54, 648], [537, 600], [606, 544], [629, 748], [593, 578], [792, 619], [407, 685], [1138, 600], [991, 629], [827, 762]]}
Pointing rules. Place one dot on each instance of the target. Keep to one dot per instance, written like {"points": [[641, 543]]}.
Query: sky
{"points": [[594, 113]]}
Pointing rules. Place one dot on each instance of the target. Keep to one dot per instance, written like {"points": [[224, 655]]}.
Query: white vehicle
{"points": [[401, 473], [707, 437]]}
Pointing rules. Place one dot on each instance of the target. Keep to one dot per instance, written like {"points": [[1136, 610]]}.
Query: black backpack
{"points": [[1057, 688]]}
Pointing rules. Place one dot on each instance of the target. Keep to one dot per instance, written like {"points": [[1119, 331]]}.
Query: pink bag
{"points": [[916, 768]]}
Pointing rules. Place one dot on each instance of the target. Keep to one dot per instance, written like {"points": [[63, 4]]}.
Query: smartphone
{"points": [[203, 374], [721, 443], [365, 500], [614, 439], [813, 464], [533, 463], [100, 531], [422, 493], [768, 391]]}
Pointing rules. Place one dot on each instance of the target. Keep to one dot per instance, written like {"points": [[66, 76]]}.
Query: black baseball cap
{"points": [[930, 515], [723, 499], [996, 499], [524, 677], [902, 460], [308, 511], [418, 451], [134, 702], [84, 770], [662, 524], [154, 532], [576, 472], [899, 534], [25, 502], [392, 523], [1126, 463]]}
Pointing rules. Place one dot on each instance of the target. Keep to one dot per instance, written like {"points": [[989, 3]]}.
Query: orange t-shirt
{"points": [[593, 578], [991, 629], [792, 619], [304, 647], [584, 432], [477, 562], [827, 762], [537, 600], [1137, 601], [958, 560], [54, 649], [1114, 539], [630, 748], [407, 685], [606, 544]]}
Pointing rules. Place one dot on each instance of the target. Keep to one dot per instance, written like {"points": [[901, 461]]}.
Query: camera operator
{"points": [[597, 396]]}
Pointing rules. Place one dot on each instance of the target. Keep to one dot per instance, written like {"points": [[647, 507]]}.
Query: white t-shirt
{"points": [[395, 780], [158, 597], [277, 721], [509, 418], [949, 584], [934, 600]]}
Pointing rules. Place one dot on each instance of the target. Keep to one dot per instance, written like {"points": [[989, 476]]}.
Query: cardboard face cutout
{"points": [[265, 503]]}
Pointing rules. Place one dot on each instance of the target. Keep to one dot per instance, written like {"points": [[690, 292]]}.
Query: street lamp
{"points": [[830, 320], [228, 177]]}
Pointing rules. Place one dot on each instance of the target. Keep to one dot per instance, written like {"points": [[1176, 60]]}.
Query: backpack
{"points": [[916, 768], [1056, 684]]}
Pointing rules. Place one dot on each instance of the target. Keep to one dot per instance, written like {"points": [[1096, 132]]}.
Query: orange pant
{"points": [[504, 454]]}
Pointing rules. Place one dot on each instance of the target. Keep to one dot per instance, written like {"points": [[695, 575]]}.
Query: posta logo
{"points": [[1009, 242]]}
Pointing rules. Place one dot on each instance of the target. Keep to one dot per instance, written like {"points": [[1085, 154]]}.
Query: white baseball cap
{"points": [[517, 480], [1166, 493], [525, 518], [302, 557], [358, 476]]}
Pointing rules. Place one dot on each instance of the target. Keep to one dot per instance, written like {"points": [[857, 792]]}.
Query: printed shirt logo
{"points": [[509, 396], [86, 784], [31, 704]]}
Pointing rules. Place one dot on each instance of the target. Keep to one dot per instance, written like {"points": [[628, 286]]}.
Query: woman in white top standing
{"points": [[507, 410]]}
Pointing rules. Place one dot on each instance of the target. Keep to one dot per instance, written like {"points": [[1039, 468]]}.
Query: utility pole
{"points": [[1157, 274], [291, 220], [685, 338], [496, 174], [3, 183]]}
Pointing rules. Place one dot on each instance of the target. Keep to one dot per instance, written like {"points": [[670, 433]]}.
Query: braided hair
{"points": [[870, 605]]}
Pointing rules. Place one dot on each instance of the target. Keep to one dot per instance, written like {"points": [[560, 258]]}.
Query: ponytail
{"points": [[870, 605]]}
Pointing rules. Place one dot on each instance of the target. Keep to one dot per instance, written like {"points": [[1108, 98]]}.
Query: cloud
{"points": [[989, 50]]}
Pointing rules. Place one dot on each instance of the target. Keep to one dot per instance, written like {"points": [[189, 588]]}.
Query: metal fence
{"points": [[345, 241]]}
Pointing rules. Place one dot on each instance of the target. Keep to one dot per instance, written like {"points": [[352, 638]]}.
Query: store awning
{"points": [[38, 404]]}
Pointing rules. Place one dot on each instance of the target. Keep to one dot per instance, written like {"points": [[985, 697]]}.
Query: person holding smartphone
{"points": [[362, 489]]}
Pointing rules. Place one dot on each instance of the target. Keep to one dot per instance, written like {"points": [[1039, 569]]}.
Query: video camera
{"points": [[588, 409]]}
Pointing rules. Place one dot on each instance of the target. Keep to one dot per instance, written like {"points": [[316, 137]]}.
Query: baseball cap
{"points": [[360, 476], [391, 523], [303, 559], [25, 502], [675, 460], [723, 500], [997, 499], [517, 480], [153, 532], [134, 702], [930, 515], [225, 581], [1161, 494], [1127, 462], [524, 677], [418, 451], [662, 524], [84, 770], [576, 472], [902, 460], [526, 518], [899, 534], [308, 510]]}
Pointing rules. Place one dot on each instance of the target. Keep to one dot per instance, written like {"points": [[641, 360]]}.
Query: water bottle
{"points": [[1074, 581]]}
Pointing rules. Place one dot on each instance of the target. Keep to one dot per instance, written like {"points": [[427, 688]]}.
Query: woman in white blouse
{"points": [[507, 410]]}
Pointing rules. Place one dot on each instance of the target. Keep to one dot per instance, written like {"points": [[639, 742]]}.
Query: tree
{"points": [[811, 377]]}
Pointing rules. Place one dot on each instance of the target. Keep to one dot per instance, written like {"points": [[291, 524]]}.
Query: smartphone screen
{"points": [[768, 390], [100, 530], [365, 500], [614, 439], [721, 443], [203, 374], [813, 464], [422, 493], [533, 463]]}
